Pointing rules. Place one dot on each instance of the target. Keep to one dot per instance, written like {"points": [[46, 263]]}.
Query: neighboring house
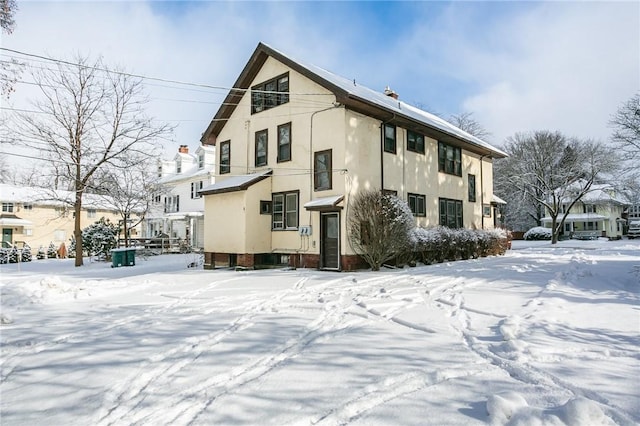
{"points": [[41, 216], [295, 143], [178, 211], [598, 214]]}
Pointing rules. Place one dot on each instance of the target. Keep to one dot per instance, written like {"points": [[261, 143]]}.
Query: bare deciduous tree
{"points": [[130, 191], [466, 122], [378, 226], [626, 125], [10, 68], [90, 118], [553, 171], [8, 9]]}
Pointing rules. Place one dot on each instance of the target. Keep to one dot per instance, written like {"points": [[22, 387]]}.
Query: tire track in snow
{"points": [[125, 397], [391, 388], [188, 404]]}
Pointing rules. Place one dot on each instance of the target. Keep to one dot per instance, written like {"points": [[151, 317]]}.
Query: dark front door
{"points": [[330, 241], [7, 235]]}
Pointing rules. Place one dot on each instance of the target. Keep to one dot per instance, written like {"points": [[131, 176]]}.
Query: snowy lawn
{"points": [[543, 335]]}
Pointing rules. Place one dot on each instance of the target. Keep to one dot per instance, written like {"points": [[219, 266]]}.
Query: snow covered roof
{"points": [[52, 197], [13, 220], [497, 200], [604, 193], [323, 203], [578, 217], [353, 95], [174, 177], [235, 183]]}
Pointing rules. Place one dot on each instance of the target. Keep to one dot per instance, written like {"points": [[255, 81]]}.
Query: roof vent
{"points": [[391, 93]]}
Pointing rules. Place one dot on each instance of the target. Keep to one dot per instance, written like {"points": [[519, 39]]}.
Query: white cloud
{"points": [[518, 67], [568, 68]]}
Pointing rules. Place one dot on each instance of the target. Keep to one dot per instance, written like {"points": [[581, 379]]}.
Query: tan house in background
{"points": [[295, 143], [600, 213], [40, 217]]}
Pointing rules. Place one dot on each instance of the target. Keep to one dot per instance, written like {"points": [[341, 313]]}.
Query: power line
{"points": [[143, 77]]}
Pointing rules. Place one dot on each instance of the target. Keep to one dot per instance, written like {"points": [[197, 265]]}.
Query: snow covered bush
{"points": [[26, 253], [538, 233], [439, 244], [52, 252], [14, 255], [72, 247], [99, 238], [42, 253], [378, 226]]}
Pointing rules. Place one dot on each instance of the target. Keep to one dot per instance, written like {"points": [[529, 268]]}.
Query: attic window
{"points": [[201, 160], [270, 94]]}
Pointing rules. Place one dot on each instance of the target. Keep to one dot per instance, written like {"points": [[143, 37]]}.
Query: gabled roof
{"points": [[235, 183], [353, 96]]}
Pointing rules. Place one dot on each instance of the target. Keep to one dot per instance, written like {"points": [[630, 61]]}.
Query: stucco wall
{"points": [[355, 141]]}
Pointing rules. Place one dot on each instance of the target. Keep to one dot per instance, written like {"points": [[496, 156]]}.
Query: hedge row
{"points": [[440, 244]]}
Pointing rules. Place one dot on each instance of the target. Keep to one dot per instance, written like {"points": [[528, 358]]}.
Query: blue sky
{"points": [[518, 66]]}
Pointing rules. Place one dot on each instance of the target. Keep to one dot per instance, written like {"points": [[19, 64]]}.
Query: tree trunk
{"points": [[554, 229], [126, 230], [77, 208]]}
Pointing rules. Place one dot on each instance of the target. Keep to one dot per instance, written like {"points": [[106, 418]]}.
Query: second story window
{"points": [[390, 138], [179, 165], [589, 208], [284, 142], [225, 157], [472, 188], [172, 204], [201, 160], [195, 189], [449, 159], [7, 207], [322, 170], [270, 94], [415, 142], [262, 142]]}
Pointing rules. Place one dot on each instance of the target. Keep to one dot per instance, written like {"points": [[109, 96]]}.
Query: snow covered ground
{"points": [[543, 335]]}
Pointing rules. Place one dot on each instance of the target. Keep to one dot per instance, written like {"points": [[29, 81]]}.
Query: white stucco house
{"points": [[178, 210], [296, 142]]}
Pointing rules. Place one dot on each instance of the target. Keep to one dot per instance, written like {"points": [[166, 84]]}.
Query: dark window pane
{"points": [[390, 138], [322, 172], [472, 188], [225, 157], [261, 148], [284, 142]]}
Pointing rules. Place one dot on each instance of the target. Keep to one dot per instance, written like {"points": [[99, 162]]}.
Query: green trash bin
{"points": [[130, 257], [123, 257]]}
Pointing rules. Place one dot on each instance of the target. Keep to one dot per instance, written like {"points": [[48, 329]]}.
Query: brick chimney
{"points": [[389, 92], [184, 149]]}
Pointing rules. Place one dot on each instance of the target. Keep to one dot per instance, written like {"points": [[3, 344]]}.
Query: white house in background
{"points": [[179, 210], [598, 214]]}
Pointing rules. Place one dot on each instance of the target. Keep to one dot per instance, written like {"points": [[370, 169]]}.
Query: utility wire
{"points": [[143, 77]]}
